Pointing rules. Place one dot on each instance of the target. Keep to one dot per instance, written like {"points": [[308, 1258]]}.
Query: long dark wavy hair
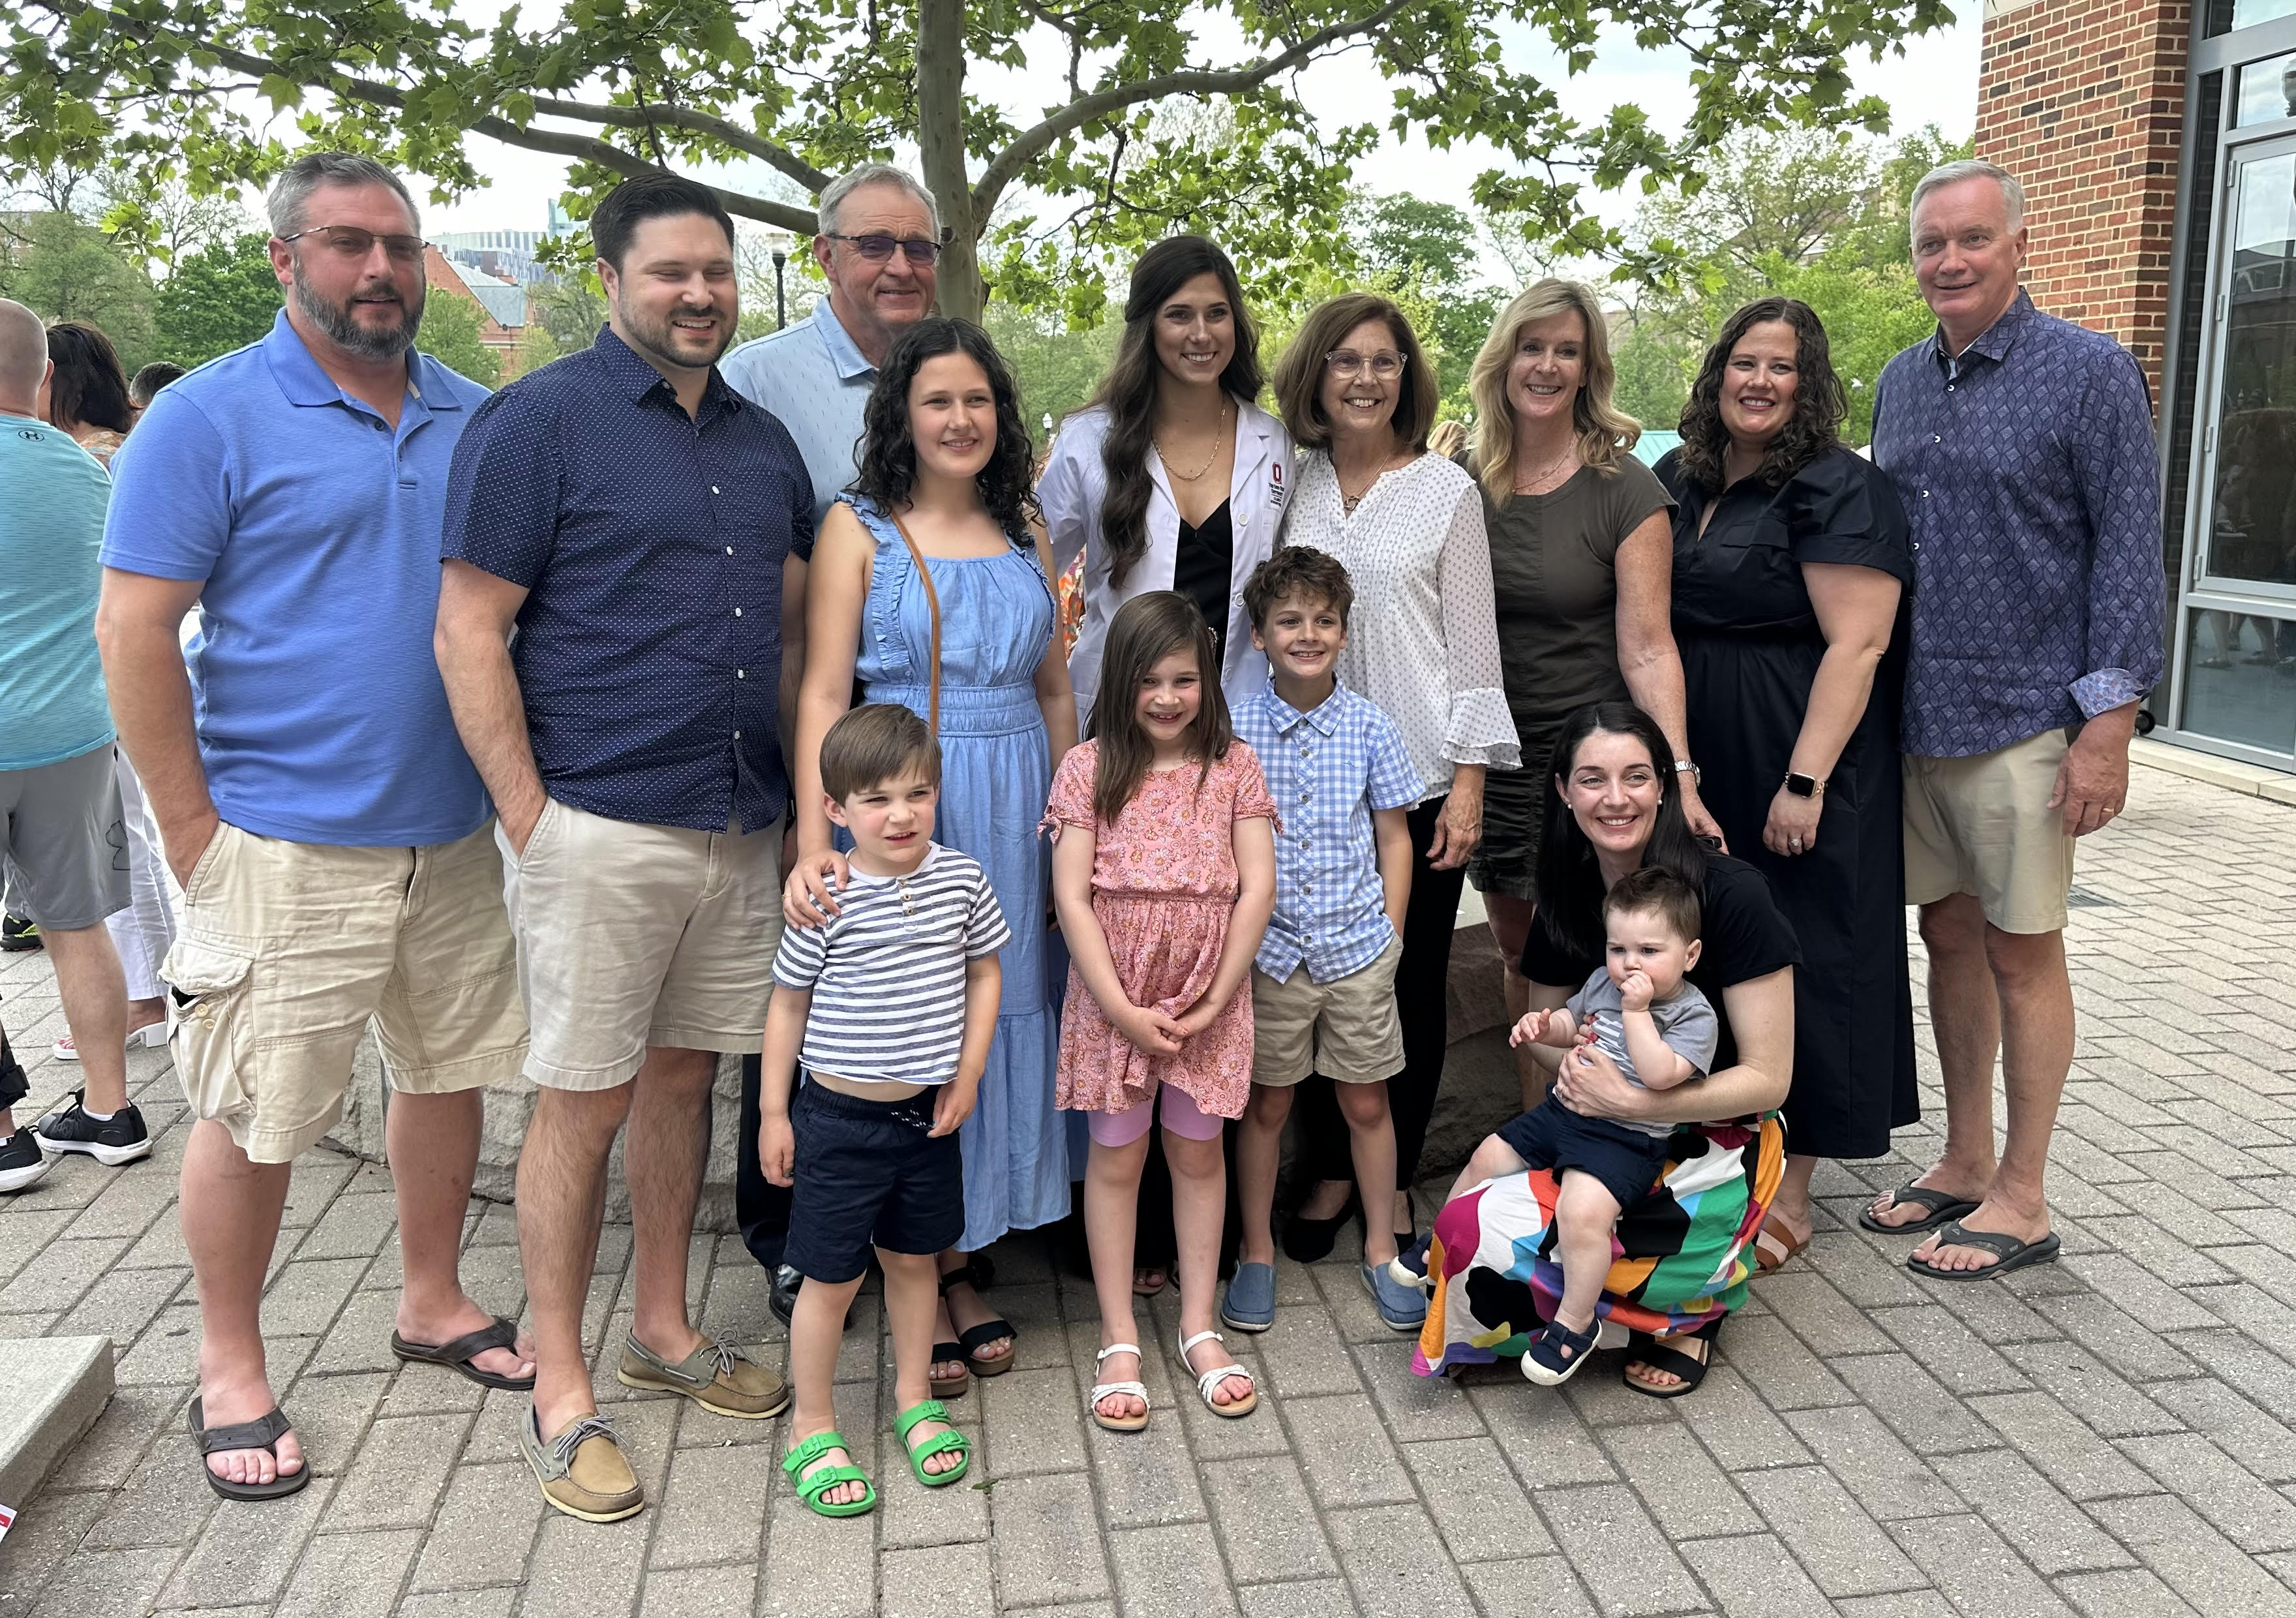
{"points": [[1570, 883], [1820, 404], [1147, 630], [89, 389], [886, 466], [1129, 392]]}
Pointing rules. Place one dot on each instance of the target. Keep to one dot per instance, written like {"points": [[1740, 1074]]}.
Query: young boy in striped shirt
{"points": [[892, 1004]]}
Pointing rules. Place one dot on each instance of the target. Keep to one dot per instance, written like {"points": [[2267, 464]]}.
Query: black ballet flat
{"points": [[1307, 1240]]}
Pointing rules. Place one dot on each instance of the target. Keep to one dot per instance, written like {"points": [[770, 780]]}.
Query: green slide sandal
{"points": [[813, 1482], [940, 1443]]}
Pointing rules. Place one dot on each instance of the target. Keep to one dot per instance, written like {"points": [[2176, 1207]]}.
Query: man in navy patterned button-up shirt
{"points": [[2023, 447], [642, 527]]}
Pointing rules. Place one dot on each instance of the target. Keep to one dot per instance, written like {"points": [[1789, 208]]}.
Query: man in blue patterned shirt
{"points": [[643, 527], [2022, 446]]}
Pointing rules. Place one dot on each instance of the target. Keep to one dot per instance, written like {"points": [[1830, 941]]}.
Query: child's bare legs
{"points": [[912, 1297], [1111, 1198], [1492, 1159], [1371, 1133], [1584, 1216], [816, 1328], [1199, 1208], [1258, 1152]]}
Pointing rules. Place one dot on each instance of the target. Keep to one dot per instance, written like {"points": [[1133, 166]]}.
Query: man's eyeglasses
{"points": [[877, 249], [1347, 362], [353, 243]]}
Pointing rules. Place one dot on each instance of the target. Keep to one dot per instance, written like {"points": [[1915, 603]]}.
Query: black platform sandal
{"points": [[977, 1336]]}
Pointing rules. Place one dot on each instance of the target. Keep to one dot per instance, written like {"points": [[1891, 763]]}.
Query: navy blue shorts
{"points": [[1551, 1136], [868, 1175]]}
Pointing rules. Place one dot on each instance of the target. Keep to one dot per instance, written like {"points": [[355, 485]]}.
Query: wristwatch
{"points": [[1683, 766], [1804, 787]]}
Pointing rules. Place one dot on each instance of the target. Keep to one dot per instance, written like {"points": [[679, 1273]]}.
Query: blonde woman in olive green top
{"points": [[1582, 561]]}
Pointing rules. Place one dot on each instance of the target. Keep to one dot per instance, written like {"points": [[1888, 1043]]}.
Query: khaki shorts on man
{"points": [[1982, 826], [635, 935], [290, 948], [1346, 1030]]}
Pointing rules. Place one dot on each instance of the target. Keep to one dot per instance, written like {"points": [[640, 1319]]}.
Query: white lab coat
{"points": [[1072, 491]]}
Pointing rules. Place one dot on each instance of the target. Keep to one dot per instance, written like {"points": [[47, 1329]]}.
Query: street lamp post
{"points": [[779, 242]]}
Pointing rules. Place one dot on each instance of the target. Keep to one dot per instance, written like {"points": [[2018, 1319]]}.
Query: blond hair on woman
{"points": [[1606, 434]]}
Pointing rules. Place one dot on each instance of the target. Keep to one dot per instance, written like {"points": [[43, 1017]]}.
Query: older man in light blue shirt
{"points": [[879, 247]]}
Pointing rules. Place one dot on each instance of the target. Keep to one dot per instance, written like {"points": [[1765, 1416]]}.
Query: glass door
{"points": [[2239, 628]]}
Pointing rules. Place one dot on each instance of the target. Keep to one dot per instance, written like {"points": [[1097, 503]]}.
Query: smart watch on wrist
{"points": [[1804, 787]]}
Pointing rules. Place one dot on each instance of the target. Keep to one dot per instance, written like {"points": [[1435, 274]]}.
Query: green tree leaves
{"points": [[219, 298], [1171, 114]]}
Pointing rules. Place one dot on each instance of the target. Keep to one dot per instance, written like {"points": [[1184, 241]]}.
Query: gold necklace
{"points": [[1348, 502], [1219, 441], [1523, 486]]}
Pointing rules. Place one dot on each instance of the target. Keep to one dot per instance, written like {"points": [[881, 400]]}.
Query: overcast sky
{"points": [[1935, 81]]}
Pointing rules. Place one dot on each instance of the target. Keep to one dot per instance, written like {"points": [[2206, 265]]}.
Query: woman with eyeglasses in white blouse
{"points": [[1358, 396]]}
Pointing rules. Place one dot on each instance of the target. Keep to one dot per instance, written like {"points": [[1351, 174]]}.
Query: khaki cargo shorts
{"points": [[1983, 826], [290, 948], [1345, 1029], [631, 936]]}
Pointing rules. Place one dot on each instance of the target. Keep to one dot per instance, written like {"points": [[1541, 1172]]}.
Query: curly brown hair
{"points": [[1296, 570], [1820, 403]]}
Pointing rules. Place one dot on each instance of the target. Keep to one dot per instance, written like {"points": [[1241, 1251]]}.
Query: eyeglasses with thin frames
{"points": [[353, 243], [877, 248], [1347, 362]]}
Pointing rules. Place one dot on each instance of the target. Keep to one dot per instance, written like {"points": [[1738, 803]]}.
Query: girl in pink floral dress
{"points": [[1164, 875]]}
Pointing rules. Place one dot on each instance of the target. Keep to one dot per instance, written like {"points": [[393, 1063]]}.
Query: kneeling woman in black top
{"points": [[1689, 1245]]}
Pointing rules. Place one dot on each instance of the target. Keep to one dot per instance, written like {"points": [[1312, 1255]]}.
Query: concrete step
{"points": [[55, 1389]]}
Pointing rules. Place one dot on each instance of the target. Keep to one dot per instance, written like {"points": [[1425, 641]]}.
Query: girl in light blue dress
{"points": [[944, 484]]}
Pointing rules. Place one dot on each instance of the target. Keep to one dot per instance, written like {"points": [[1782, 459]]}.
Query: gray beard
{"points": [[344, 330]]}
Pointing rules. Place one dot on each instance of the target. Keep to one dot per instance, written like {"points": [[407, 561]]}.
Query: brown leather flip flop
{"points": [[457, 1355]]}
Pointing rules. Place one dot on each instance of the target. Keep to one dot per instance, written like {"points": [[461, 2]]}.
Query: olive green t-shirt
{"points": [[1554, 575]]}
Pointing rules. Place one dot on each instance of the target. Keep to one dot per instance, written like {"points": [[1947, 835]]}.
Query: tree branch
{"points": [[564, 143], [1189, 81]]}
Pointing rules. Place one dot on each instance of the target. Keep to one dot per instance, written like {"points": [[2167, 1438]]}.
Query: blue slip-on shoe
{"points": [[1249, 1304], [1403, 1308]]}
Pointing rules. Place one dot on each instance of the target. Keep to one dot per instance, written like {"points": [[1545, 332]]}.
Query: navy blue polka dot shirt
{"points": [[652, 544]]}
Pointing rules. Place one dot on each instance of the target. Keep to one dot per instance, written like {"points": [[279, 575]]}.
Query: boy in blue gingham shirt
{"points": [[1323, 985]]}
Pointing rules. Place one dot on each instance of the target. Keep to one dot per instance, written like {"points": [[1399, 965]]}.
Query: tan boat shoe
{"points": [[723, 1381], [583, 1472]]}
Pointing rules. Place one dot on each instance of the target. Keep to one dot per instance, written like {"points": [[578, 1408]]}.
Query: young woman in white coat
{"points": [[1172, 479]]}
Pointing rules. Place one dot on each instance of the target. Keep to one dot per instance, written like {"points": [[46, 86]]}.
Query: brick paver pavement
{"points": [[2109, 1434]]}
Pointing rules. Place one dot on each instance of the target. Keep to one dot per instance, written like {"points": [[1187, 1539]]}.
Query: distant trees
{"points": [[219, 298]]}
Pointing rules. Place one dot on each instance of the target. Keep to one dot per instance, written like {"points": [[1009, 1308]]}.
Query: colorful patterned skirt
{"points": [[1682, 1253]]}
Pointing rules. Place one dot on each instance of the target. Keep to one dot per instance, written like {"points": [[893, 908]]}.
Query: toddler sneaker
{"points": [[120, 1138], [1410, 1266], [21, 1160]]}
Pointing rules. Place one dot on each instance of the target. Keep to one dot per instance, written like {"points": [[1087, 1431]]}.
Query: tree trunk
{"points": [[940, 148]]}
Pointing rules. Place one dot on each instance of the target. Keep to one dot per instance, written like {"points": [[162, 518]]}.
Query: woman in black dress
{"points": [[1791, 566]]}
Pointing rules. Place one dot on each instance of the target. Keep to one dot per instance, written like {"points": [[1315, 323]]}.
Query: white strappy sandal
{"points": [[1102, 1390], [1209, 1380]]}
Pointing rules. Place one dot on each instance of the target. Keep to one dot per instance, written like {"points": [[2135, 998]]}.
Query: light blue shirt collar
{"points": [[844, 353]]}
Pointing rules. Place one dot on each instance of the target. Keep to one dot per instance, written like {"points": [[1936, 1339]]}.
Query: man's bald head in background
{"points": [[23, 360]]}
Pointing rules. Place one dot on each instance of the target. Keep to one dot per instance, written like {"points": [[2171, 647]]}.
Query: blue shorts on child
{"points": [[869, 1174], [1626, 1162]]}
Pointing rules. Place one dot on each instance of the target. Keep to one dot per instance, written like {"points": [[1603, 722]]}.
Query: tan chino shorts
{"points": [[1983, 826], [631, 936], [1345, 1029], [289, 948]]}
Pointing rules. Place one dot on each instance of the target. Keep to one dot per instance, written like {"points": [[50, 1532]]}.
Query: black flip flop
{"points": [[1641, 1347], [1943, 1207], [2012, 1254], [264, 1433], [457, 1355], [978, 1336]]}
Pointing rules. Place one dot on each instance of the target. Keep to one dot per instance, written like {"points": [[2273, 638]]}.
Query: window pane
{"points": [[2268, 91], [2248, 14], [2253, 520], [2242, 685]]}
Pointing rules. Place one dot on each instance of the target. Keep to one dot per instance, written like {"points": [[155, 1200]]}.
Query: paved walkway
{"points": [[2111, 1434]]}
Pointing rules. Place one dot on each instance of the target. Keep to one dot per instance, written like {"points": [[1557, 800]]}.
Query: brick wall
{"points": [[2084, 101]]}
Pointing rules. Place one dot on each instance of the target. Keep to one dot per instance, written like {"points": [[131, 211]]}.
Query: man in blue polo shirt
{"points": [[642, 527], [333, 841]]}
